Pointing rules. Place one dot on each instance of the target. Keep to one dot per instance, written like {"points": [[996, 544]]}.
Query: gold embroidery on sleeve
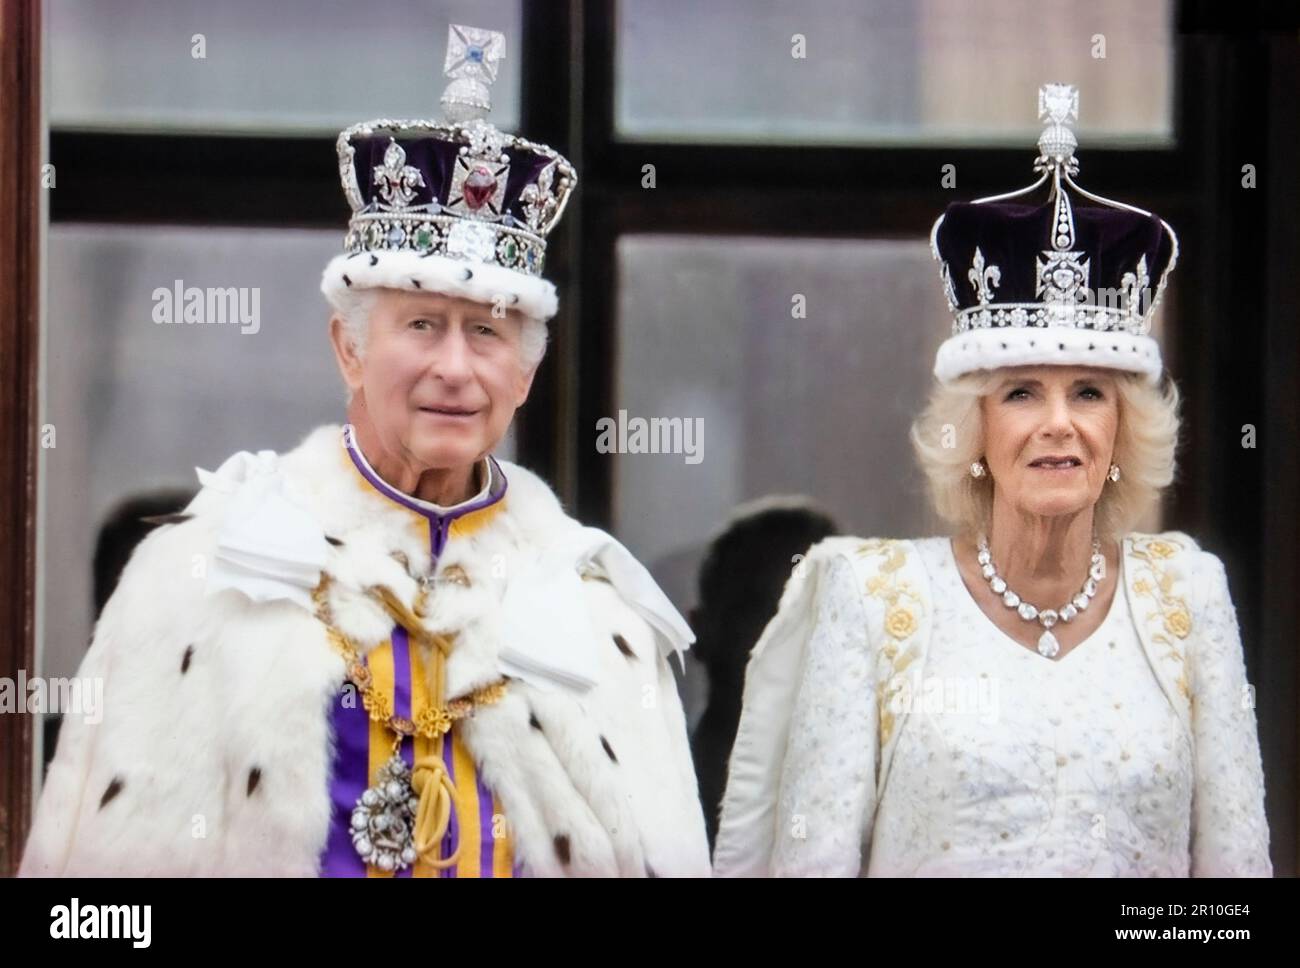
{"points": [[1174, 618], [901, 603]]}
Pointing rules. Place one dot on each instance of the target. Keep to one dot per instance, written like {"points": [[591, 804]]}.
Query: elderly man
{"points": [[386, 652]]}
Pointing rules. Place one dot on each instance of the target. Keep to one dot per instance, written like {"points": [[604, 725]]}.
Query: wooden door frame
{"points": [[20, 243]]}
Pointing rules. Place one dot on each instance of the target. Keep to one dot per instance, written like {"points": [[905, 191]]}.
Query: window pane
{"points": [[886, 71], [296, 65], [818, 405]]}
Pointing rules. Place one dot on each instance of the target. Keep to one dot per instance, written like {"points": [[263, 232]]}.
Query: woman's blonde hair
{"points": [[949, 436]]}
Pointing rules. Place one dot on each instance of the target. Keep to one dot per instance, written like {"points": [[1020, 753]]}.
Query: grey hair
{"points": [[355, 306], [533, 339]]}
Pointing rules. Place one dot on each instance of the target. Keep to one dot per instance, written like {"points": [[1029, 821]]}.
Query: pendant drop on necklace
{"points": [[383, 821], [1047, 644]]}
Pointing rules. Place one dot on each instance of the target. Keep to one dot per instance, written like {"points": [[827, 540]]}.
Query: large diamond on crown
{"points": [[472, 241], [1062, 277]]}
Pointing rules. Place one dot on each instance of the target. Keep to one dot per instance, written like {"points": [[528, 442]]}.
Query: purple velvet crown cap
{"points": [[435, 159], [1012, 235]]}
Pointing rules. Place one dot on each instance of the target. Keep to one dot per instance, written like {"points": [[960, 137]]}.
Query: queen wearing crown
{"points": [[386, 652], [1046, 691]]}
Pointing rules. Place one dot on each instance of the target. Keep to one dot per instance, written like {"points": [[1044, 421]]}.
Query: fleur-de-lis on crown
{"points": [[949, 292], [983, 278], [1135, 287], [538, 200], [396, 179]]}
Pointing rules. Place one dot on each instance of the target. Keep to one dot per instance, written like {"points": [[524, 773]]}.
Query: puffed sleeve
{"points": [[1229, 828], [801, 779]]}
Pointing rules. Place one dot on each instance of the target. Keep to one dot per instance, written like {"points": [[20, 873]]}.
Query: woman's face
{"points": [[1049, 433]]}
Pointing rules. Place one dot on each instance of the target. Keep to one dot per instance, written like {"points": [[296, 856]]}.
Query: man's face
{"points": [[440, 378]]}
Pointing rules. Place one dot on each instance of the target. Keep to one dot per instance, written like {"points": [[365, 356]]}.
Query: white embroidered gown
{"points": [[1011, 763], [1006, 763]]}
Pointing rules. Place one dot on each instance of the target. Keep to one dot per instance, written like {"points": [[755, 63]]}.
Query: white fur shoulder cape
{"points": [[214, 750]]}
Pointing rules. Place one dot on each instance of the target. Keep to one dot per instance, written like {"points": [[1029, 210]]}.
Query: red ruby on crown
{"points": [[479, 185]]}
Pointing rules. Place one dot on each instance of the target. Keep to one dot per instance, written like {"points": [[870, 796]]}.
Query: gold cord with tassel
{"points": [[430, 779]]}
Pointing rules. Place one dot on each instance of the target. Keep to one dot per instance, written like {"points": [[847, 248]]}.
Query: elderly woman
{"points": [[1047, 692], [386, 652]]}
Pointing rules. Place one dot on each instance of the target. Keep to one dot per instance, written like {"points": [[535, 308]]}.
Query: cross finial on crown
{"points": [[473, 55], [1058, 109], [1058, 103]]}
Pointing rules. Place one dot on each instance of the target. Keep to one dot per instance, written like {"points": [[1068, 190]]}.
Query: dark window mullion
{"points": [[196, 179]]}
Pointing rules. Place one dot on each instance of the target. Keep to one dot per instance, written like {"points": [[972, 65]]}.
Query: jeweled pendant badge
{"points": [[383, 821]]}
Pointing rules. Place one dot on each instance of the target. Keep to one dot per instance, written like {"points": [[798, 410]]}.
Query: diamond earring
{"points": [[977, 469], [1114, 473]]}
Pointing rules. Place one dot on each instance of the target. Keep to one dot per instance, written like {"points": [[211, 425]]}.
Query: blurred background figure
{"points": [[744, 570], [124, 528]]}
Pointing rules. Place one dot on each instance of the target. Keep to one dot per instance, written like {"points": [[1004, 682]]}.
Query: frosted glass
{"points": [[818, 405], [304, 66], [890, 71]]}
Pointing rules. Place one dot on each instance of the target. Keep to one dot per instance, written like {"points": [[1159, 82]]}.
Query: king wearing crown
{"points": [[387, 652]]}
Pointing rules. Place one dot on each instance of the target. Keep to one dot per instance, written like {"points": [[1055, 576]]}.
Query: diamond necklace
{"points": [[1047, 644]]}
